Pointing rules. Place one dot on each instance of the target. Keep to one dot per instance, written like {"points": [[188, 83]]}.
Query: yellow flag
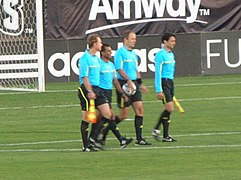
{"points": [[91, 116], [178, 105]]}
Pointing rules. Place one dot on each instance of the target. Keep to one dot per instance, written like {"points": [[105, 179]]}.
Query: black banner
{"points": [[221, 53], [77, 18], [195, 54]]}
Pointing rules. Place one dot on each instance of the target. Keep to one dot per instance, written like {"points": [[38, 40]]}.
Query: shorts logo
{"points": [[11, 17]]}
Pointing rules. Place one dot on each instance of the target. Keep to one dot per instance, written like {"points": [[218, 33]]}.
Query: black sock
{"points": [[84, 133], [138, 127], [106, 129], [165, 122], [97, 127], [115, 130], [117, 120], [158, 124], [93, 130], [164, 114]]}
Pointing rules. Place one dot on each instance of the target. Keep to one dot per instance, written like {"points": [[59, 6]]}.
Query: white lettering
{"points": [[151, 57], [119, 44], [10, 22], [153, 7], [209, 54], [13, 20], [142, 67], [226, 55], [74, 62], [193, 7], [149, 8], [179, 12], [96, 8], [66, 60], [225, 52]]}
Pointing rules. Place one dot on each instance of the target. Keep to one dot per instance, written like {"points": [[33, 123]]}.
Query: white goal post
{"points": [[21, 45]]}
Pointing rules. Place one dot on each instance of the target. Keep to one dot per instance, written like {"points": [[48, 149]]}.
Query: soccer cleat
{"points": [[101, 139], [98, 146], [156, 134], [142, 142], [88, 149], [95, 144], [168, 139], [125, 142]]}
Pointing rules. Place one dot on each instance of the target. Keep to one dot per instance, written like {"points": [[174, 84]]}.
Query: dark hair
{"points": [[104, 46], [92, 39], [167, 36], [126, 34]]}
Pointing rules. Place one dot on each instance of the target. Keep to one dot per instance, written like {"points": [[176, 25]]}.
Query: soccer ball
{"points": [[128, 90]]}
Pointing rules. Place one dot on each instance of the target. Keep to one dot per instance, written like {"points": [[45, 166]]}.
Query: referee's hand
{"points": [[144, 88], [91, 95], [125, 97], [160, 95]]}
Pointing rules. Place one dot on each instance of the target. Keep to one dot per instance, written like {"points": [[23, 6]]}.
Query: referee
{"points": [[164, 86], [107, 79], [126, 61]]}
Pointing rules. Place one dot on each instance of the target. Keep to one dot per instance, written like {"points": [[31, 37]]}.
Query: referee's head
{"points": [[93, 38], [167, 36], [106, 52]]}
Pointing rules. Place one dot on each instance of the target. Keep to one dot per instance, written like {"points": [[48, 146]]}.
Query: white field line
{"points": [[78, 140], [207, 84], [39, 107], [177, 85], [128, 148], [39, 143], [145, 102]]}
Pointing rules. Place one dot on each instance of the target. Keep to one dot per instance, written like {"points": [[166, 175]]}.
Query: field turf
{"points": [[40, 138]]}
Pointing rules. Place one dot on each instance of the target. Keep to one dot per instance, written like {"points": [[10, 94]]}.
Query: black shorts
{"points": [[108, 94], [168, 90], [133, 98], [84, 101]]}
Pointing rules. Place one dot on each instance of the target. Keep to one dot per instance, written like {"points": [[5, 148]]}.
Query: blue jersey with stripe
{"points": [[89, 66], [126, 60], [164, 67], [107, 74]]}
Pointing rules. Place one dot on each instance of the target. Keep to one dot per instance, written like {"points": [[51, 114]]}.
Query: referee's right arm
{"points": [[91, 94]]}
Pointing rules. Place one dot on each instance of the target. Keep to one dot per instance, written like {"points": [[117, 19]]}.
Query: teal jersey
{"points": [[107, 74], [89, 66], [164, 67], [126, 60]]}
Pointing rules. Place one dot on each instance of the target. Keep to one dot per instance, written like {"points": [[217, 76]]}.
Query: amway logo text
{"points": [[157, 7]]}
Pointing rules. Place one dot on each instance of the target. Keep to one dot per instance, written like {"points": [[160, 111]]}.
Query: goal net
{"points": [[21, 45]]}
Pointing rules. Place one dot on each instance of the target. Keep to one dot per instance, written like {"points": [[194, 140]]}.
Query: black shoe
{"points": [[168, 139], [156, 134], [88, 149], [125, 142], [142, 142], [95, 144], [101, 139]]}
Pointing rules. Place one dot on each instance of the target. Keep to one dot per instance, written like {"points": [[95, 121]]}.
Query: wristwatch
{"points": [[89, 91]]}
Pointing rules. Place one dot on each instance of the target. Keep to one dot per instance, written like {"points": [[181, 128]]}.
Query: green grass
{"points": [[40, 139]]}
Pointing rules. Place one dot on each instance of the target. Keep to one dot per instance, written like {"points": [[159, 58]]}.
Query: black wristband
{"points": [[139, 81]]}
